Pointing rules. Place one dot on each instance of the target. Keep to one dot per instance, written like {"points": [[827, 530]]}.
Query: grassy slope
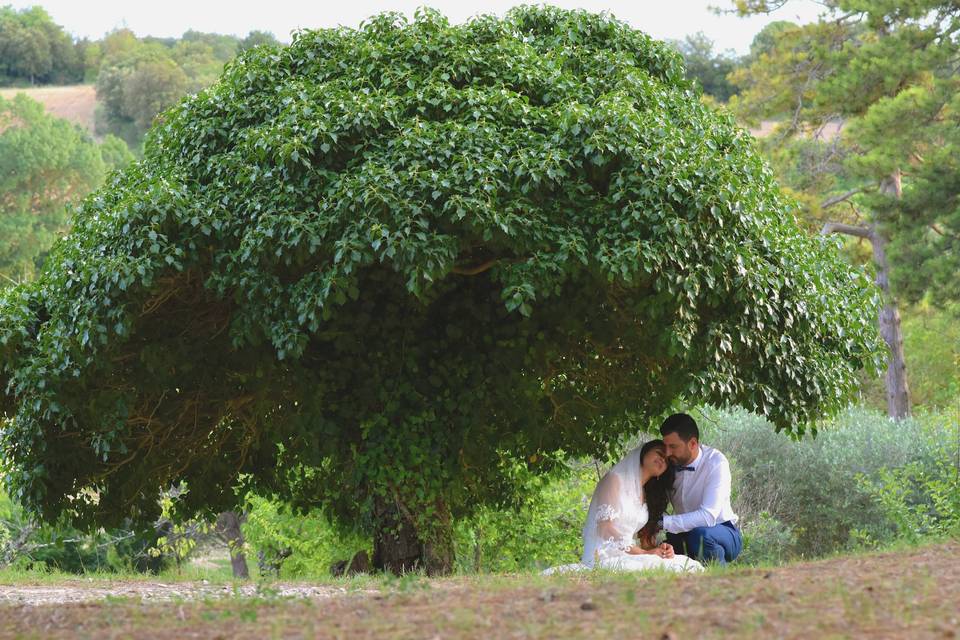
{"points": [[908, 593], [75, 103]]}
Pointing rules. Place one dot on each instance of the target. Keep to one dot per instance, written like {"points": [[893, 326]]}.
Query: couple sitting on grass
{"points": [[629, 505]]}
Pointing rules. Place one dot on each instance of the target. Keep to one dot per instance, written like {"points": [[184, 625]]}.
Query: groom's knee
{"points": [[703, 545]]}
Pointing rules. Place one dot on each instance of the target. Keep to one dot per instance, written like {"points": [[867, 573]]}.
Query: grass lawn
{"points": [[913, 592]]}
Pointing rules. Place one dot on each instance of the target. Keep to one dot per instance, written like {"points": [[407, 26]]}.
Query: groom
{"points": [[704, 526]]}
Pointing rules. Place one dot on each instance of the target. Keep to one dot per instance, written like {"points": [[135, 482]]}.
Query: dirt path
{"points": [[79, 592], [908, 594]]}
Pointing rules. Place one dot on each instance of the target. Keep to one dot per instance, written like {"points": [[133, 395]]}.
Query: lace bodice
{"points": [[617, 511]]}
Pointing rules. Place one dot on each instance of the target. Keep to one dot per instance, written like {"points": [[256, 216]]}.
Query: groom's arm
{"points": [[715, 495]]}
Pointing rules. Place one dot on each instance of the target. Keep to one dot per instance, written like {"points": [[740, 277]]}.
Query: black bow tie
{"points": [[685, 468]]}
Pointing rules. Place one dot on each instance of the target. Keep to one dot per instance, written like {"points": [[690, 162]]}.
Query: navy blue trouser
{"points": [[721, 543]]}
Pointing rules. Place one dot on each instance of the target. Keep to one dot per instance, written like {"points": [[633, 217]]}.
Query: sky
{"points": [[663, 19]]}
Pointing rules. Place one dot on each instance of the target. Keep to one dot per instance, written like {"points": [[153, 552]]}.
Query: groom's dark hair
{"points": [[681, 424]]}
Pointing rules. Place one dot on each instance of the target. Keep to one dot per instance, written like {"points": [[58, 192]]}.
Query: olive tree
{"points": [[395, 270]]}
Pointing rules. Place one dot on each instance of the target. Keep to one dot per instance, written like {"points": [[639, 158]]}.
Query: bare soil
{"points": [[907, 594], [75, 103]]}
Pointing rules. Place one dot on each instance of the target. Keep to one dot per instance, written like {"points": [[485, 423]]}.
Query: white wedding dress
{"points": [[617, 512]]}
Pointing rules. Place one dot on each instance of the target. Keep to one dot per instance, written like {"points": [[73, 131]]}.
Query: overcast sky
{"points": [[660, 18]]}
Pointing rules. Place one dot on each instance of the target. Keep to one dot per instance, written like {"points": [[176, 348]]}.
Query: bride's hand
{"points": [[656, 551], [640, 551], [664, 551]]}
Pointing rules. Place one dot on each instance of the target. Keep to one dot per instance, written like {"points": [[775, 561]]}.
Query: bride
{"points": [[630, 500]]}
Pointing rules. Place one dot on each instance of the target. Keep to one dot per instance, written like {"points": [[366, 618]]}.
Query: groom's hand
{"points": [[666, 550]]}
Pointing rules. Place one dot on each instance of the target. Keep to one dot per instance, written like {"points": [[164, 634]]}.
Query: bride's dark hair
{"points": [[656, 492]]}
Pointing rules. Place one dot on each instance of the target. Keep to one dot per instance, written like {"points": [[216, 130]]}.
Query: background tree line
{"points": [[136, 78], [35, 50], [47, 163]]}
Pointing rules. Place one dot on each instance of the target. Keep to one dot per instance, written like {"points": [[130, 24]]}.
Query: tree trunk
{"points": [[228, 525], [398, 548], [898, 391]]}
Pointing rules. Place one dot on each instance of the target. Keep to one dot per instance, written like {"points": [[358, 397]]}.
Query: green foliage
{"points": [[135, 84], [922, 498], [394, 265], [543, 530], [178, 538], [767, 539], [887, 70], [115, 153], [58, 546], [35, 50], [766, 40], [139, 78], [314, 542], [156, 71], [45, 164], [255, 39], [811, 486], [150, 88], [708, 67]]}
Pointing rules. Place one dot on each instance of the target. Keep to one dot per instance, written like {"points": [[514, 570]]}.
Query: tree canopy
{"points": [[708, 67], [391, 270], [45, 164], [886, 71], [34, 49]]}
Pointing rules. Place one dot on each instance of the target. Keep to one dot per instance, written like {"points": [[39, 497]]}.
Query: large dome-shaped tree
{"points": [[391, 270]]}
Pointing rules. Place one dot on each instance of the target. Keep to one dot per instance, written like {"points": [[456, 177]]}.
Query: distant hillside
{"points": [[75, 103]]}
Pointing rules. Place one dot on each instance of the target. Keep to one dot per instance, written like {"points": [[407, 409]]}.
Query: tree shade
{"points": [[393, 270]]}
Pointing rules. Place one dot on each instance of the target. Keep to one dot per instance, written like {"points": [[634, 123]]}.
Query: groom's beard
{"points": [[677, 462]]}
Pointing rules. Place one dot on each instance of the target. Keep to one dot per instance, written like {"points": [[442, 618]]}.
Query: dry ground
{"points": [[75, 103], [907, 594]]}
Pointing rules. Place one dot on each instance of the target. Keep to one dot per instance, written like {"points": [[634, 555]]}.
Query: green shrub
{"points": [[314, 542], [812, 486], [922, 499], [26, 544], [544, 531], [766, 539]]}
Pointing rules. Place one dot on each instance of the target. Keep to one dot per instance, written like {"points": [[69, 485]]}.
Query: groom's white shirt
{"points": [[701, 498]]}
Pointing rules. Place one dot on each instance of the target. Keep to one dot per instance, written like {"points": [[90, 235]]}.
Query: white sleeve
{"points": [[716, 494], [609, 510]]}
